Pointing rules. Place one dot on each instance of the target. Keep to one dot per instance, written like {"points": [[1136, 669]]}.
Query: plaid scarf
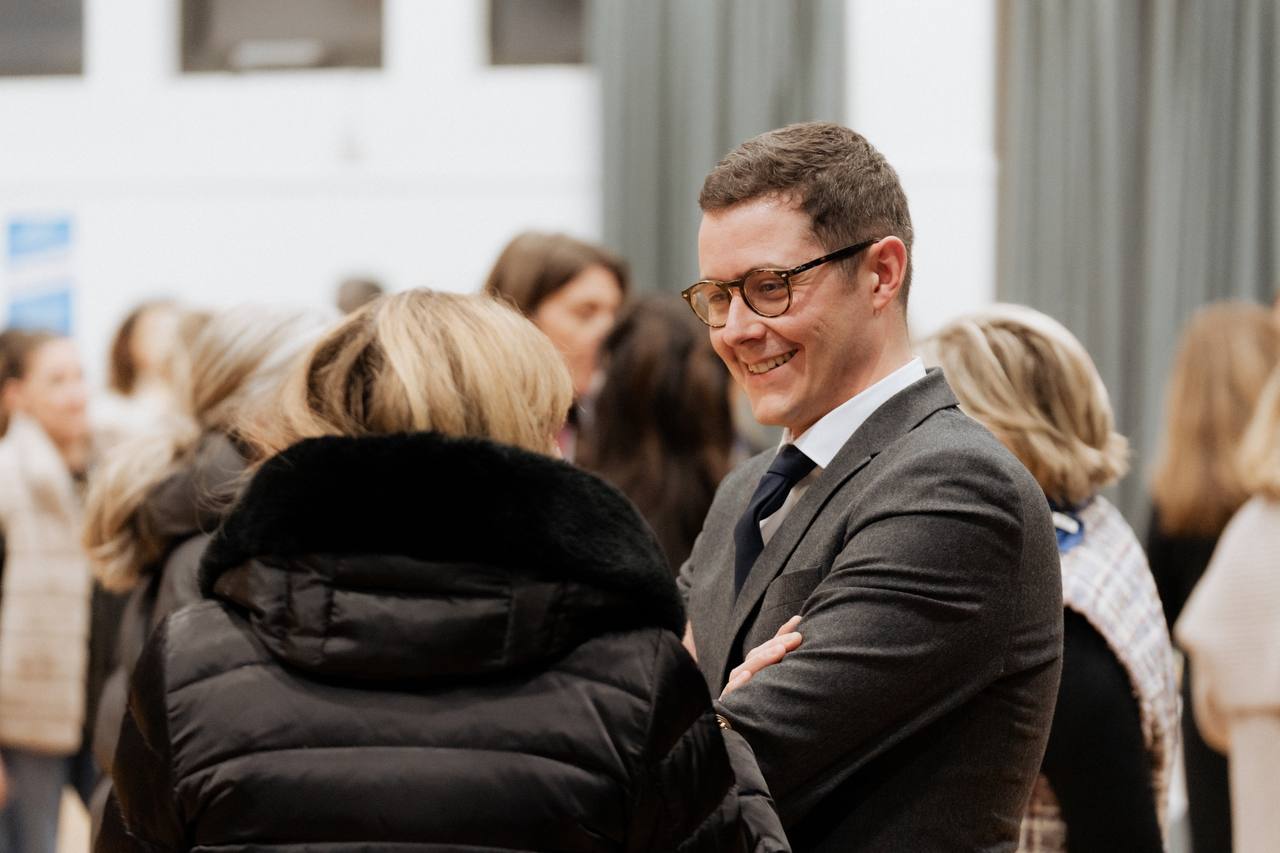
{"points": [[1105, 578]]}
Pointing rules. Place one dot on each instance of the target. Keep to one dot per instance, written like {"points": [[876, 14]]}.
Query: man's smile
{"points": [[765, 365]]}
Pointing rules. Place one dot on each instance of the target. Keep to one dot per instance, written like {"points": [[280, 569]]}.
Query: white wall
{"points": [[223, 188], [921, 88]]}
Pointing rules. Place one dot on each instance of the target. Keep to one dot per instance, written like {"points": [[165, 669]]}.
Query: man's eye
{"points": [[717, 297], [770, 287]]}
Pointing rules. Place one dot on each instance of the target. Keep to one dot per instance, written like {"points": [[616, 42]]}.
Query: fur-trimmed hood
{"points": [[417, 556]]}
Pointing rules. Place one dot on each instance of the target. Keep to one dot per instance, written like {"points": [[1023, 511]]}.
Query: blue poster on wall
{"points": [[39, 272]]}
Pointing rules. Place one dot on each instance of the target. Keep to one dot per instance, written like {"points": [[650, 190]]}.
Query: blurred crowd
{"points": [[301, 466]]}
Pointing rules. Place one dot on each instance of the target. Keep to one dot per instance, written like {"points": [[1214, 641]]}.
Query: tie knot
{"points": [[792, 464]]}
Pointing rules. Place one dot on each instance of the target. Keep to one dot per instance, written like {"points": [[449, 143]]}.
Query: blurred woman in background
{"points": [[154, 502], [661, 429], [1225, 356], [1105, 778], [1230, 629], [47, 590], [425, 630], [572, 291], [356, 292], [140, 374]]}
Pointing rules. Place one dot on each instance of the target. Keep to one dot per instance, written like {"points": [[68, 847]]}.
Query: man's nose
{"points": [[742, 324]]}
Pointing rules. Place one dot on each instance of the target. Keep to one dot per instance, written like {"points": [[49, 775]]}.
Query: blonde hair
{"points": [[236, 360], [1259, 457], [1026, 378], [1226, 354], [425, 361]]}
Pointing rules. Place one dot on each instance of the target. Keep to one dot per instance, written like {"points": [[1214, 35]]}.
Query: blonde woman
{"points": [[424, 630], [1106, 770], [1226, 354], [1230, 630], [155, 501], [45, 609]]}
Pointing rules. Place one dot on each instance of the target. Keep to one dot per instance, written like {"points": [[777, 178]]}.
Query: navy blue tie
{"points": [[789, 467]]}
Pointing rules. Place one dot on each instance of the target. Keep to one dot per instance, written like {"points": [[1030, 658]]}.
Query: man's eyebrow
{"points": [[748, 270]]}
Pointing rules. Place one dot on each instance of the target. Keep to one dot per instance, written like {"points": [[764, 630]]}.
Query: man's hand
{"points": [[787, 639]]}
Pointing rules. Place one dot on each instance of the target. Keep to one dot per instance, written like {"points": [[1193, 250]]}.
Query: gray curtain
{"points": [[683, 82], [1138, 179]]}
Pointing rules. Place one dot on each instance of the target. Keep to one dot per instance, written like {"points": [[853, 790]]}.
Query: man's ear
{"points": [[888, 261]]}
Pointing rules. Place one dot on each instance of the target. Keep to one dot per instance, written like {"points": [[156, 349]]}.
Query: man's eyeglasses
{"points": [[766, 292]]}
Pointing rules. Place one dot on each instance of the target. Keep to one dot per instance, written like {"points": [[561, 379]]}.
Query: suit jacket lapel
{"points": [[899, 415]]}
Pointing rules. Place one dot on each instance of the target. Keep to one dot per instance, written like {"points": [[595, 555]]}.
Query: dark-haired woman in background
{"points": [[1226, 354], [661, 429], [572, 291]]}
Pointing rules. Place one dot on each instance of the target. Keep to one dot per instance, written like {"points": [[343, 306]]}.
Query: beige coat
{"points": [[44, 599], [1231, 632]]}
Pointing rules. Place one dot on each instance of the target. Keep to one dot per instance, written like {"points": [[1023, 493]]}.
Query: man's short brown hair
{"points": [[845, 185]]}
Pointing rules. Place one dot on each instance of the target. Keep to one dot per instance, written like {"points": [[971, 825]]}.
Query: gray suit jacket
{"points": [[923, 560]]}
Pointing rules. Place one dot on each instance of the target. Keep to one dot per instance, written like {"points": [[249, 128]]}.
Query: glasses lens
{"points": [[710, 302], [767, 292]]}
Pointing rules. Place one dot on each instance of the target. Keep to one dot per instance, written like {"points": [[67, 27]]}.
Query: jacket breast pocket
{"points": [[790, 590]]}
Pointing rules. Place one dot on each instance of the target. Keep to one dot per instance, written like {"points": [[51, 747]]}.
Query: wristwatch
{"points": [[724, 724]]}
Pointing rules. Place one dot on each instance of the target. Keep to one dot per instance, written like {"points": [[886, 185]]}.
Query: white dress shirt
{"points": [[822, 441]]}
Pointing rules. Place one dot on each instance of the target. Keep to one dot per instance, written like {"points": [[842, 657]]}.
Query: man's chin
{"points": [[767, 414]]}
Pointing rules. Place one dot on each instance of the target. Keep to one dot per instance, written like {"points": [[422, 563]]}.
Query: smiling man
{"points": [[918, 553]]}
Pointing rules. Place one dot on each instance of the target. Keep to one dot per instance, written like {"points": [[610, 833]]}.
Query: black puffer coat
{"points": [[181, 513], [419, 643]]}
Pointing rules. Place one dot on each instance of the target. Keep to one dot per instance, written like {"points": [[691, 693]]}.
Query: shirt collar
{"points": [[822, 441]]}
